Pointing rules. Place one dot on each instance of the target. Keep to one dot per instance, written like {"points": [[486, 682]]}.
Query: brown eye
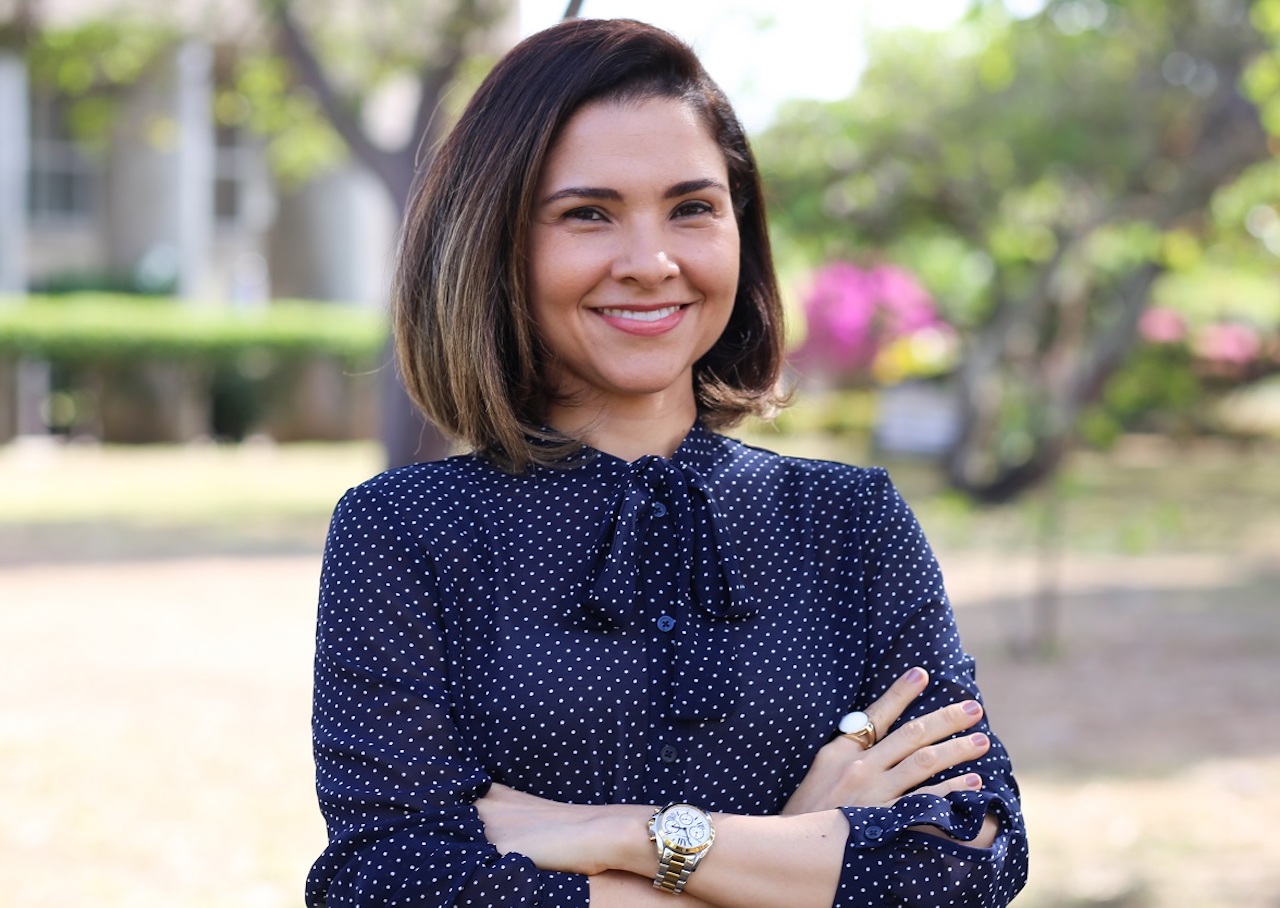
{"points": [[693, 209], [584, 214]]}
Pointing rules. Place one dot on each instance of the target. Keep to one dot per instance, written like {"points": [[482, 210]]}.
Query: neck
{"points": [[652, 424]]}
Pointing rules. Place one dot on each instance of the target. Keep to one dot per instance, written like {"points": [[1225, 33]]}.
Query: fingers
{"points": [[924, 747], [926, 762], [891, 778], [894, 702], [901, 761], [914, 738], [926, 730], [932, 727], [970, 781]]}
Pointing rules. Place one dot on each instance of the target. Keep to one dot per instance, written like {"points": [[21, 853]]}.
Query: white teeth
{"points": [[652, 315]]}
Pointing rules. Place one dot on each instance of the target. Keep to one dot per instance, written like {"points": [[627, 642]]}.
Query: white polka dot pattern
{"points": [[605, 632]]}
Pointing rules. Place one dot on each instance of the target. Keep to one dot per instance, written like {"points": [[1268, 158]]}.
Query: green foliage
{"points": [[113, 50], [1035, 174], [1219, 289], [841, 412], [368, 52], [366, 46], [1157, 390], [87, 61], [93, 328], [261, 97], [1262, 79], [996, 143]]}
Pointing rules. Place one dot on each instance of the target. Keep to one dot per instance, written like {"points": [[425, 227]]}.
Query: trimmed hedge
{"points": [[98, 327]]}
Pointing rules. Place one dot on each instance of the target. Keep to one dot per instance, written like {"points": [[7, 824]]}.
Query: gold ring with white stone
{"points": [[857, 726]]}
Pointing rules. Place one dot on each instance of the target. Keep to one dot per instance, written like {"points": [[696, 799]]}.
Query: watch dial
{"points": [[685, 827]]}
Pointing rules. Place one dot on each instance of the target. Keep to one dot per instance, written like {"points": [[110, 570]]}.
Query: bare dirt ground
{"points": [[154, 705], [1149, 748]]}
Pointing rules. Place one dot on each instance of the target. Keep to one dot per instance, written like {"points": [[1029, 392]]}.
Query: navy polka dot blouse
{"points": [[612, 632]]}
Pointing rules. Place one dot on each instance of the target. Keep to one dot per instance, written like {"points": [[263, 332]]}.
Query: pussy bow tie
{"points": [[708, 573]]}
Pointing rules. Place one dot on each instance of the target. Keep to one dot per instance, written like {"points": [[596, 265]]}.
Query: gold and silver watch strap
{"points": [[674, 870]]}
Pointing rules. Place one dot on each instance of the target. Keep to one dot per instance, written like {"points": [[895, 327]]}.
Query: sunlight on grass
{"points": [[46, 483], [1146, 497]]}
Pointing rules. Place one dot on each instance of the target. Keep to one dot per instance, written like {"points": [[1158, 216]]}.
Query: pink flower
{"points": [[853, 313], [1228, 343], [1160, 325]]}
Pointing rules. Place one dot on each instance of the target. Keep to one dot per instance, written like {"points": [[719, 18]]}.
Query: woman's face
{"points": [[633, 258]]}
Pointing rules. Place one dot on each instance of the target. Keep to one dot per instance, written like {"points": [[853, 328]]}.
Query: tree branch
{"points": [[436, 78], [17, 29], [572, 10], [307, 67]]}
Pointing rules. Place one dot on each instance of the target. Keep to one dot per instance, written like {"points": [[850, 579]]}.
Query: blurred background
{"points": [[1031, 253]]}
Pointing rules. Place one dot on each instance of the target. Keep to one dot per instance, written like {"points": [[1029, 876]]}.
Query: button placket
{"points": [[662, 585]]}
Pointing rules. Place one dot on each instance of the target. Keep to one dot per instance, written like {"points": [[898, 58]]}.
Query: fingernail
{"points": [[915, 675], [978, 740], [972, 707], [973, 780]]}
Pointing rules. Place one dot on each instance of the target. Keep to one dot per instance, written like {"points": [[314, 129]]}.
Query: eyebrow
{"points": [[612, 195]]}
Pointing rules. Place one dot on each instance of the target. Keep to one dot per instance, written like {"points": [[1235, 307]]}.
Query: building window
{"points": [[63, 182], [235, 169]]}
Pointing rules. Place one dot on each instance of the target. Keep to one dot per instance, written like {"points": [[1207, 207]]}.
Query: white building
{"points": [[174, 201], [175, 198]]}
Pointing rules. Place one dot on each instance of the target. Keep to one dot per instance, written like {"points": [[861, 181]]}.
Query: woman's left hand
{"points": [[843, 774], [574, 838]]}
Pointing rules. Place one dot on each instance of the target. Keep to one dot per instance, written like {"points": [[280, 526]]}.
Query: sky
{"points": [[762, 52]]}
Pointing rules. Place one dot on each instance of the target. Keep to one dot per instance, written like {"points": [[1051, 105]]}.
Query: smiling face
{"points": [[633, 257]]}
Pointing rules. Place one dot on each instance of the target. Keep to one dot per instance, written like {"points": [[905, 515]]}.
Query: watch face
{"points": [[684, 828]]}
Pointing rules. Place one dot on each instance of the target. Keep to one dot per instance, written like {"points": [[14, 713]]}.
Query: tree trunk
{"points": [[406, 435]]}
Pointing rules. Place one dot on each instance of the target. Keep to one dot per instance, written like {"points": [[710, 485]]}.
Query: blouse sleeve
{"points": [[911, 623], [395, 784]]}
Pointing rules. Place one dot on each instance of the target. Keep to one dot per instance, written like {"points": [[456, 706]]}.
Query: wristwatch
{"points": [[683, 835]]}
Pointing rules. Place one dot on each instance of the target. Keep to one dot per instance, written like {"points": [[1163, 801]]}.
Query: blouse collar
{"points": [[677, 489]]}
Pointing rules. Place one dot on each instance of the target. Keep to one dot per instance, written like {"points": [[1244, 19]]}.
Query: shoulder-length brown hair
{"points": [[466, 343]]}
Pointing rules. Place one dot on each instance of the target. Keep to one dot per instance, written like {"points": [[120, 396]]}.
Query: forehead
{"points": [[633, 139]]}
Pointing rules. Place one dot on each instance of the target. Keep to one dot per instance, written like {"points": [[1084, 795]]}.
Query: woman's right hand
{"points": [[843, 774]]}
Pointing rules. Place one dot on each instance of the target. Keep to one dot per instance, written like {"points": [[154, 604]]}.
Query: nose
{"points": [[644, 260]]}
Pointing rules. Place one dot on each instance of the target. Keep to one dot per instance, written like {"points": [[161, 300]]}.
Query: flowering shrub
{"points": [[1180, 370], [872, 326], [1227, 350]]}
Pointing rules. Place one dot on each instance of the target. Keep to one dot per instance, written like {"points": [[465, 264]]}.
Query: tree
{"points": [[342, 56], [307, 83], [1039, 175], [426, 43]]}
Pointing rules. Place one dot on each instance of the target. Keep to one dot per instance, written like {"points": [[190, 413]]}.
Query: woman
{"points": [[601, 659]]}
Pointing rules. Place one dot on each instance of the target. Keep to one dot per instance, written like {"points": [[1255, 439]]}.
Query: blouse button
{"points": [[872, 833], [668, 754], [666, 623], [659, 509]]}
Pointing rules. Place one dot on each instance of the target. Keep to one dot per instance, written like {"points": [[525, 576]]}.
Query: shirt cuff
{"points": [[869, 878], [960, 815]]}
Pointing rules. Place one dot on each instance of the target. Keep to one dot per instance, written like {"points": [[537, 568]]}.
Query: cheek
{"points": [[545, 283], [560, 274], [718, 266]]}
